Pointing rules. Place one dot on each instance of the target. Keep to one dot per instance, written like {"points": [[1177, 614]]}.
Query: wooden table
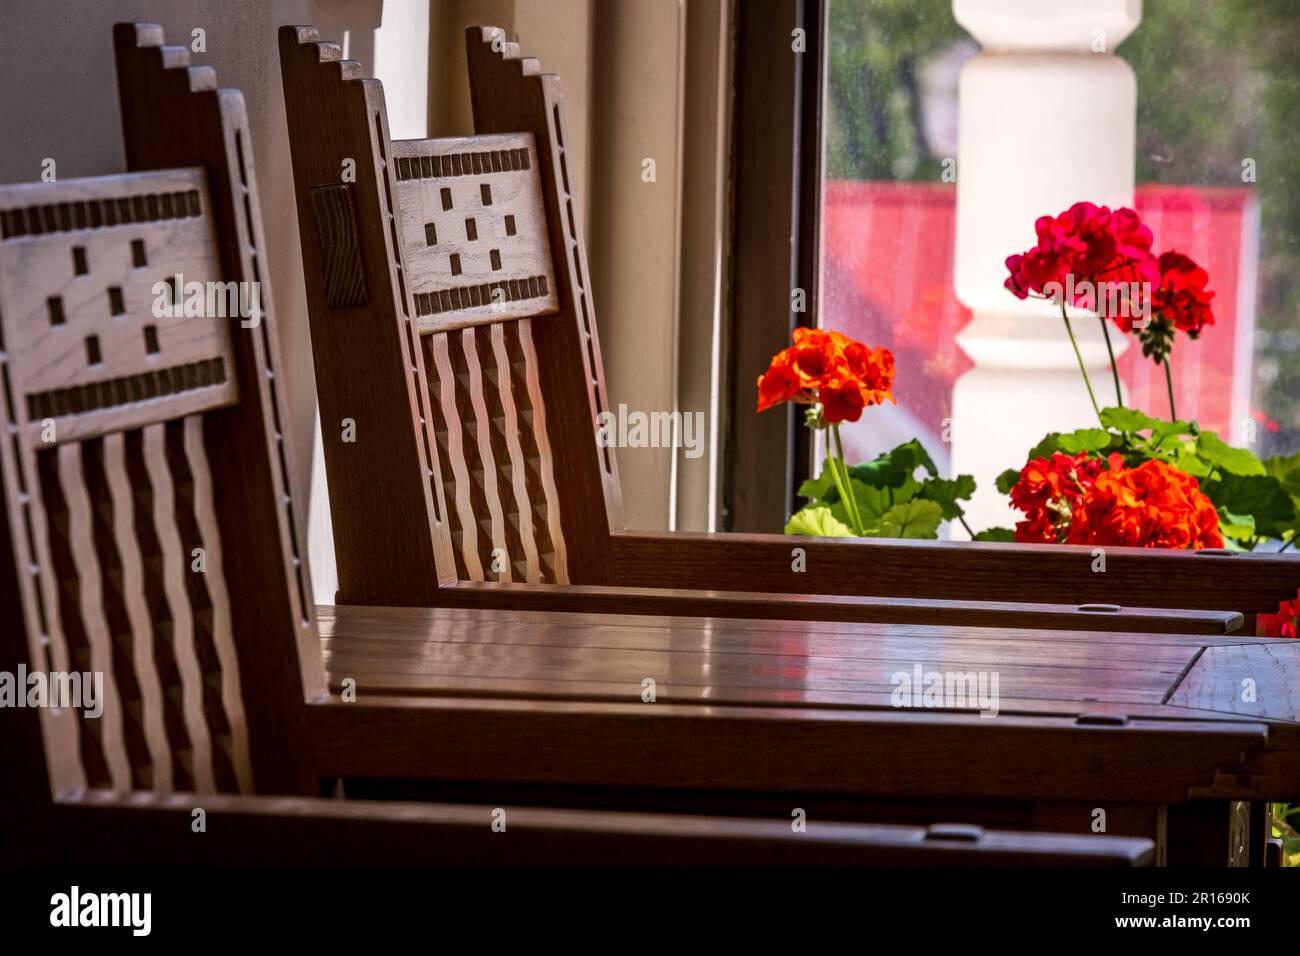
{"points": [[1158, 731]]}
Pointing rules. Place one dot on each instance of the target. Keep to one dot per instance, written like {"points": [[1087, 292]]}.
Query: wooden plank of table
{"points": [[878, 658], [869, 753], [1254, 680], [527, 655], [416, 621], [574, 657], [1122, 650], [766, 697], [489, 595], [560, 671]]}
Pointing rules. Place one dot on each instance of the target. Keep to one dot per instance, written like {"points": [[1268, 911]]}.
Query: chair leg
{"points": [[1261, 832], [1210, 833]]}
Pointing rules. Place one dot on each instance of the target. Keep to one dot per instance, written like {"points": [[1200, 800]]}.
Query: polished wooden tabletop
{"points": [[799, 700], [417, 651]]}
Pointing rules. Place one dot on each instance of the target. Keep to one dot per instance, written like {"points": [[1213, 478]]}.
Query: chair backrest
{"points": [[149, 534], [453, 331]]}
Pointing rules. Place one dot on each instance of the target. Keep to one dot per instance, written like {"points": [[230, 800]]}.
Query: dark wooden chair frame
{"points": [[408, 497]]}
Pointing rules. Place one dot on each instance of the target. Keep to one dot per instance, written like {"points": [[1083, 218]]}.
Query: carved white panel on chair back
{"points": [[474, 225], [80, 264]]}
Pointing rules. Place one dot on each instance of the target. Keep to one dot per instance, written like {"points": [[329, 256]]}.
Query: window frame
{"points": [[777, 171]]}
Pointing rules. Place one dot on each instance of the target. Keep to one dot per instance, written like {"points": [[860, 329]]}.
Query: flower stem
{"points": [[845, 489], [1169, 384], [839, 486], [1114, 369], [1079, 355], [962, 518]]}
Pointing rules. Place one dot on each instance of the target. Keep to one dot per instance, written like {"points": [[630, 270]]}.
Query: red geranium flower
{"points": [[780, 383], [1048, 492], [1283, 623], [829, 368], [842, 400], [1090, 243], [1181, 296]]}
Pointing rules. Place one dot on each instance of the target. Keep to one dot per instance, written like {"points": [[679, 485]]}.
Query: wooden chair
{"points": [[126, 554], [134, 546], [460, 383]]}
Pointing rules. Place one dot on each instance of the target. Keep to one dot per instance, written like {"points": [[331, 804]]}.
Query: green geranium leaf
{"points": [[1088, 439], [882, 472], [1142, 451], [817, 521], [1260, 496], [894, 468], [1186, 458], [813, 490], [913, 454], [947, 492], [1071, 443], [821, 488], [874, 502], [1051, 443], [1129, 419], [1237, 527], [996, 534], [1165, 430], [1220, 454], [917, 518], [1281, 465], [1286, 469], [1007, 480], [1132, 420]]}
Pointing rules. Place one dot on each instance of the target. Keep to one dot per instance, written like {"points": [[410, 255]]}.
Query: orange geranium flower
{"points": [[828, 368], [1151, 506]]}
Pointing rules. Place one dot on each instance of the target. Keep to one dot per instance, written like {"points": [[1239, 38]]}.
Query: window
{"points": [[1217, 87], [1218, 92], [887, 215]]}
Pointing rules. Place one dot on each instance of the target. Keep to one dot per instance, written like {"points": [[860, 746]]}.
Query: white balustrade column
{"points": [[1048, 118]]}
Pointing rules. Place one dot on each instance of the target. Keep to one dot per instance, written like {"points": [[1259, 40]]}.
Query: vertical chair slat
{"points": [[53, 652], [85, 557], [103, 516], [442, 483], [518, 478], [546, 471], [470, 376], [67, 617], [444, 383], [515, 565], [61, 728], [152, 724], [175, 565], [222, 637]]}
